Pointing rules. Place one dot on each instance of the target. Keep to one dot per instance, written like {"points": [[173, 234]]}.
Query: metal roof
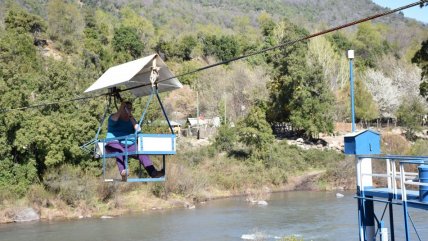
{"points": [[136, 73], [353, 134]]}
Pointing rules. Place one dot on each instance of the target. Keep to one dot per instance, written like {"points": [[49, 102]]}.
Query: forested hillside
{"points": [[53, 50]]}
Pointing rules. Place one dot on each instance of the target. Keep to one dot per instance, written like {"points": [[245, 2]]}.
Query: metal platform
{"points": [[389, 193], [395, 191]]}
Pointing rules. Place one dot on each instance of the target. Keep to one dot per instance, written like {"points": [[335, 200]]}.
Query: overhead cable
{"points": [[288, 43]]}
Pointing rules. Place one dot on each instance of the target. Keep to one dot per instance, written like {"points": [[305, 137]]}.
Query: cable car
{"points": [[147, 76]]}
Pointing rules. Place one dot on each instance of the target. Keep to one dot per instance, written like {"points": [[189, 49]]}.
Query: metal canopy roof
{"points": [[136, 73]]}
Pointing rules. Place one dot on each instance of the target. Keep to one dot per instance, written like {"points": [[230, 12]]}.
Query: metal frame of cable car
{"points": [[147, 144]]}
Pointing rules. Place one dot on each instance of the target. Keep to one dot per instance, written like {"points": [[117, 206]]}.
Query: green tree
{"points": [[19, 72], [181, 48], [311, 104], [126, 40], [97, 53], [289, 69], [266, 23], [225, 138], [409, 115], [340, 42], [421, 59], [224, 47], [65, 24], [369, 44], [298, 92], [185, 47], [254, 131], [365, 107], [24, 22], [143, 27]]}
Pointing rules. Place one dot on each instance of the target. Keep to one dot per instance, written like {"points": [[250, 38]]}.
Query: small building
{"points": [[193, 122], [362, 142]]}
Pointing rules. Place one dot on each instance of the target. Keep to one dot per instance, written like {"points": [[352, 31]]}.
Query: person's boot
{"points": [[124, 175], [151, 170]]}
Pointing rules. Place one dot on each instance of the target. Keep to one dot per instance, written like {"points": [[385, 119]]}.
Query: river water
{"points": [[318, 216]]}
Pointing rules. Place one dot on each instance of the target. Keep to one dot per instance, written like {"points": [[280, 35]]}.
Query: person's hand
{"points": [[122, 108]]}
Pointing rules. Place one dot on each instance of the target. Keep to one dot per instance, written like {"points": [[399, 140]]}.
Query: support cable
{"points": [[288, 43], [414, 227]]}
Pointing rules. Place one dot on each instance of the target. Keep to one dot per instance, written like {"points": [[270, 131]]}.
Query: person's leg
{"points": [[147, 163], [113, 147]]}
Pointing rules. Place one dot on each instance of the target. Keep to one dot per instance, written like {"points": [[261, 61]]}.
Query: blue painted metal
{"points": [[131, 139], [159, 179], [145, 109], [369, 218], [164, 113], [391, 220], [167, 136], [352, 95], [393, 195], [362, 142], [360, 214], [385, 193], [423, 177], [414, 227], [406, 224]]}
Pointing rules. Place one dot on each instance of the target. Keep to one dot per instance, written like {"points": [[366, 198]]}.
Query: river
{"points": [[318, 216]]}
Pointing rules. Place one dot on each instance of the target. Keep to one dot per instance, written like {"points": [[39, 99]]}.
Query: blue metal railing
{"points": [[396, 189]]}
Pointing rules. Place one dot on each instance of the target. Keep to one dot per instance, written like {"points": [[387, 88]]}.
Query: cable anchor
{"points": [[154, 75]]}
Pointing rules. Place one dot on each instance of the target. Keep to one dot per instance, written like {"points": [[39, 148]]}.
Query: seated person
{"points": [[122, 123]]}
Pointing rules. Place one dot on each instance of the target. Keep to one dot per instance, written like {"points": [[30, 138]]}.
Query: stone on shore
{"points": [[26, 215]]}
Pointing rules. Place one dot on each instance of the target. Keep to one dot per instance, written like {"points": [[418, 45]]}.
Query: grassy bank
{"points": [[198, 173]]}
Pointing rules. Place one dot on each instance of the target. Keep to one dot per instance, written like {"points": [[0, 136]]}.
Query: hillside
{"points": [[187, 15]]}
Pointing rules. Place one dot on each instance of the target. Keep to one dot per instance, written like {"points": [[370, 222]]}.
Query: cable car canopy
{"points": [[137, 73]]}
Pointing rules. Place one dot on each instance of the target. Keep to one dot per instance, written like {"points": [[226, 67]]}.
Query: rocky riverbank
{"points": [[139, 201]]}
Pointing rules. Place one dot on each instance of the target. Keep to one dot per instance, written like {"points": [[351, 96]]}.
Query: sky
{"points": [[417, 13]]}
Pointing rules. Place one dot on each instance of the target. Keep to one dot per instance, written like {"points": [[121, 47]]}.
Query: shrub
{"points": [[291, 238], [71, 184], [321, 158], [38, 195], [286, 157], [16, 178], [394, 144], [420, 148], [225, 139]]}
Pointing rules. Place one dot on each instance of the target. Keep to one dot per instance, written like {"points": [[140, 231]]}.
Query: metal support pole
{"points": [[391, 219], [360, 201], [351, 57], [383, 232], [164, 112], [360, 215], [197, 115], [404, 199], [406, 222], [163, 163], [369, 220]]}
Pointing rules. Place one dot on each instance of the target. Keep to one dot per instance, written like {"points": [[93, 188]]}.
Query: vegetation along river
{"points": [[318, 216]]}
